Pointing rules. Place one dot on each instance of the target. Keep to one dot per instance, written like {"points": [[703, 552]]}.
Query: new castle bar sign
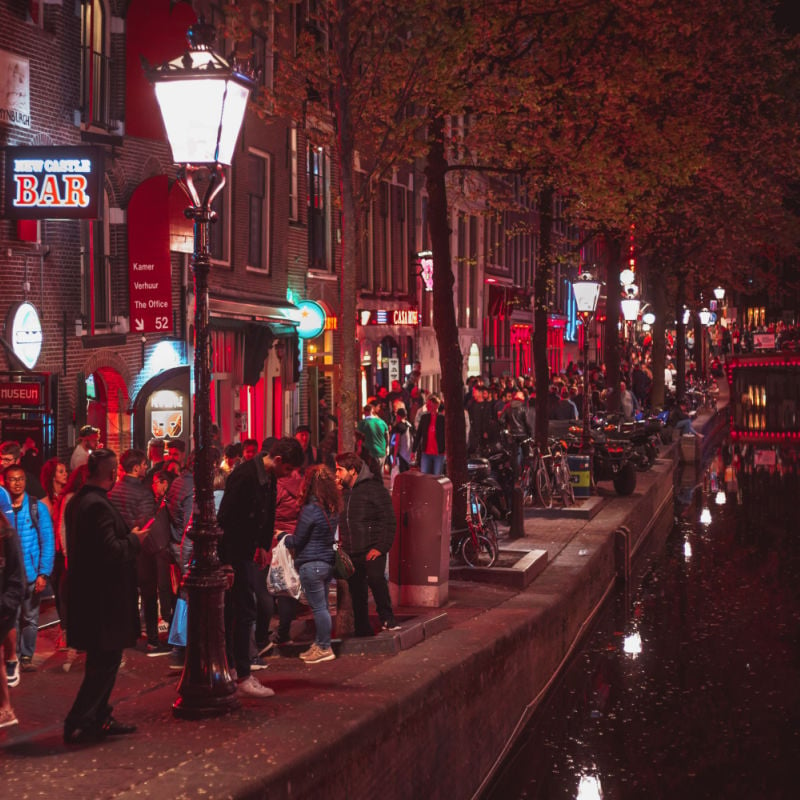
{"points": [[53, 182]]}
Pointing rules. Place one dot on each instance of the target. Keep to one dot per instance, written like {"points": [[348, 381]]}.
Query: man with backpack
{"points": [[33, 524]]}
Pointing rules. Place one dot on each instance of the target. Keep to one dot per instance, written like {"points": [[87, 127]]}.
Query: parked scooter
{"points": [[612, 459], [643, 434]]}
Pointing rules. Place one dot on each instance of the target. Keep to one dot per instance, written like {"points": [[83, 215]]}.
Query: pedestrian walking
{"points": [[12, 588], [312, 543], [247, 517], [429, 443], [88, 440], [101, 590], [31, 520], [376, 434], [366, 530], [135, 501]]}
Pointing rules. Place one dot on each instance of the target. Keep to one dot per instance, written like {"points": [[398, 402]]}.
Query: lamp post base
{"points": [[206, 688], [517, 522]]}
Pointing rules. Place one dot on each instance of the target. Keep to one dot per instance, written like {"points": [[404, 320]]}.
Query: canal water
{"points": [[688, 685]]}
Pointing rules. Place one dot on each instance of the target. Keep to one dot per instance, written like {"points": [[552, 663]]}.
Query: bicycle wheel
{"points": [[526, 484], [482, 554], [490, 531], [544, 489], [563, 484]]}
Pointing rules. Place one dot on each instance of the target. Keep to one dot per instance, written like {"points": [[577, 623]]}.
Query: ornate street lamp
{"points": [[705, 317], [587, 291], [719, 293], [203, 98], [630, 308]]}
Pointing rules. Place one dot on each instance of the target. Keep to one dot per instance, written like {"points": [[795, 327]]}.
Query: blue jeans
{"points": [[431, 465], [685, 427], [315, 578], [28, 622]]}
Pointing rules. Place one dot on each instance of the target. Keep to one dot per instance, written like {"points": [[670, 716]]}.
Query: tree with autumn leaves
{"points": [[634, 112]]}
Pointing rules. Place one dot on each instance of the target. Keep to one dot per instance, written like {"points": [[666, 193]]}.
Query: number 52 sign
{"points": [[149, 274]]}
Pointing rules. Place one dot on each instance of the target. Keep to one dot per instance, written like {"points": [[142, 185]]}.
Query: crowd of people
{"points": [[103, 526], [110, 535]]}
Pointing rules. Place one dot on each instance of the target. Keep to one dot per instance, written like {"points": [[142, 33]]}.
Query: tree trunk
{"points": [[348, 390], [659, 333], [680, 341], [444, 316], [611, 347], [347, 317], [541, 293]]}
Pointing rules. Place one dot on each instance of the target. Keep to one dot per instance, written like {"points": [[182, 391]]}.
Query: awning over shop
{"points": [[255, 325], [282, 318]]}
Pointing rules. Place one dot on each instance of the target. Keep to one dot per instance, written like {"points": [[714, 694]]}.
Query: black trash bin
{"points": [[419, 561]]}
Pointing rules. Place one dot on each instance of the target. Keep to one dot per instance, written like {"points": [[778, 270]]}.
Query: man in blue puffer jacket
{"points": [[35, 530]]}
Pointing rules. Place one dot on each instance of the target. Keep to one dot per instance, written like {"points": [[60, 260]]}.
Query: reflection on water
{"points": [[689, 684]]}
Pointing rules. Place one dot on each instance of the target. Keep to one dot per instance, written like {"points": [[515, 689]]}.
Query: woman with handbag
{"points": [[312, 543]]}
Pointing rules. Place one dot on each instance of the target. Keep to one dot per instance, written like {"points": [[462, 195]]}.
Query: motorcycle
{"points": [[612, 459], [643, 434]]}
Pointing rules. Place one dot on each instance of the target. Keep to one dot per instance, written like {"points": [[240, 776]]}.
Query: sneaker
{"points": [[26, 664], [253, 688], [274, 641], [390, 625], [176, 659], [8, 718], [257, 663], [12, 673], [315, 654], [156, 650]]}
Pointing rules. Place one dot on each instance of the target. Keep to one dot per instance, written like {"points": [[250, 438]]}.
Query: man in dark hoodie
{"points": [[247, 517], [366, 529]]}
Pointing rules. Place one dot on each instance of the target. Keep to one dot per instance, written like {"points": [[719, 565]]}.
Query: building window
{"points": [[220, 230], [319, 221], [308, 16], [258, 183], [96, 271], [294, 200], [262, 57], [399, 240], [95, 65]]}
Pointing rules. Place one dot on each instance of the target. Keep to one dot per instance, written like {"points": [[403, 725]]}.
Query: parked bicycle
{"points": [[535, 479], [476, 545], [561, 477]]}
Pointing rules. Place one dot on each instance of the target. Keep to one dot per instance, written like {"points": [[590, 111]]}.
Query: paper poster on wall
{"points": [[15, 97], [166, 424]]}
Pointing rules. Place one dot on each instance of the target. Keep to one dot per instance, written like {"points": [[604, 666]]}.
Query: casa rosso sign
{"points": [[389, 316], [53, 182]]}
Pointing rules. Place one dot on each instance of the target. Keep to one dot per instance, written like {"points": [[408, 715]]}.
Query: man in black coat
{"points": [[247, 517], [366, 527], [102, 597]]}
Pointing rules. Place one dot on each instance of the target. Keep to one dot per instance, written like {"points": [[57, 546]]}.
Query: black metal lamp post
{"points": [[203, 98], [587, 291]]}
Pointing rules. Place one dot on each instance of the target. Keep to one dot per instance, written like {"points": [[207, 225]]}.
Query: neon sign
{"points": [[53, 182], [387, 316]]}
